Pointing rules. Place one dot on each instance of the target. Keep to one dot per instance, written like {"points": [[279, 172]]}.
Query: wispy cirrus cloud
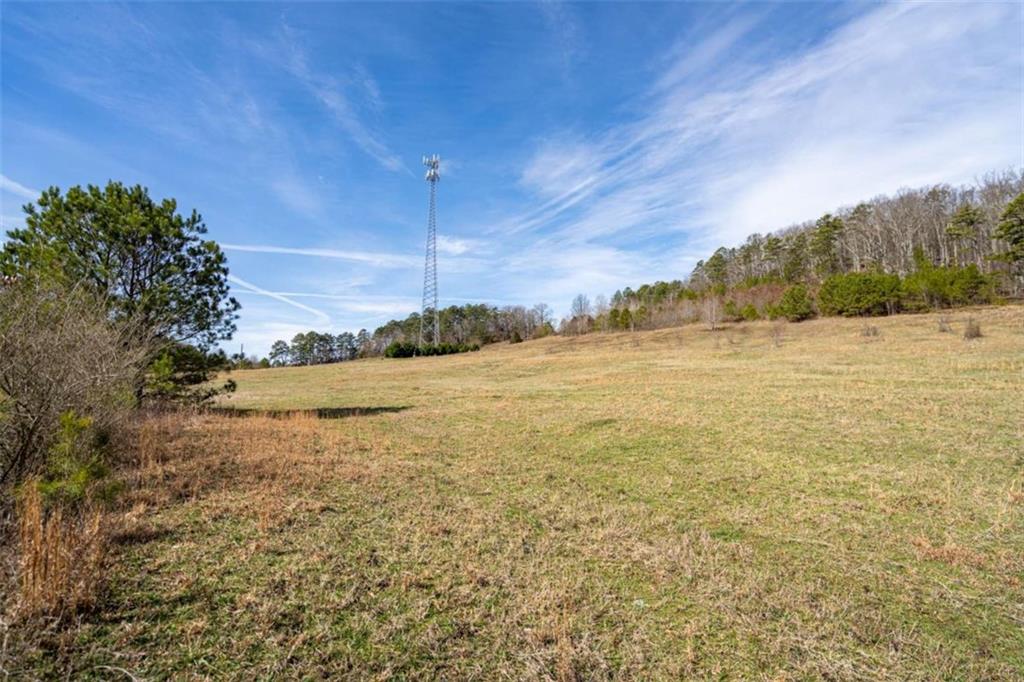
{"points": [[230, 115], [876, 105], [457, 246], [17, 189], [561, 21], [320, 317], [331, 93], [385, 260]]}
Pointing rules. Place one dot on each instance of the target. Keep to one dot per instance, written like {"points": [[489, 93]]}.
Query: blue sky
{"points": [[585, 147]]}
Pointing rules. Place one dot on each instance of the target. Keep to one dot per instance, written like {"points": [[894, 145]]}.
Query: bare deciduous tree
{"points": [[711, 312]]}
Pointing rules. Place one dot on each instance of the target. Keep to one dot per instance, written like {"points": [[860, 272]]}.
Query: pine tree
{"points": [[1011, 230]]}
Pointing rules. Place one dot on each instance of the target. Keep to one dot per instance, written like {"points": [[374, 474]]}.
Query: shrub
{"points": [[407, 349], [179, 376], [931, 286], [76, 468], [544, 330], [59, 355], [859, 293], [795, 304], [972, 330], [749, 312], [400, 349]]}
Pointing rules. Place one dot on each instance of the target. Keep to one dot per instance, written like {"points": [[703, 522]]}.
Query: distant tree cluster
{"points": [[316, 348], [463, 328], [950, 226], [472, 323], [920, 249]]}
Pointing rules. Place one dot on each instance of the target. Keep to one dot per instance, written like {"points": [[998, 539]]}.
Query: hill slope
{"points": [[665, 504]]}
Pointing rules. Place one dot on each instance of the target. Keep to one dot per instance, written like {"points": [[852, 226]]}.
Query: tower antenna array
{"points": [[430, 321]]}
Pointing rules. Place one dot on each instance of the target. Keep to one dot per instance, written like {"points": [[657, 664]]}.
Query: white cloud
{"points": [[903, 95], [297, 195], [456, 246], [561, 21], [16, 188], [321, 317], [561, 167], [330, 92], [695, 57], [388, 260]]}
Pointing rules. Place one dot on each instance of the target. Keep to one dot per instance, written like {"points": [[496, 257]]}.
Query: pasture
{"points": [[794, 501]]}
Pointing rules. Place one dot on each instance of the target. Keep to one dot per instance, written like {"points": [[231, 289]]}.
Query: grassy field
{"points": [[660, 505]]}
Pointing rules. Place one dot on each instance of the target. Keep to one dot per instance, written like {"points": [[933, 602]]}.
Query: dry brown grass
{"points": [[676, 504], [61, 557]]}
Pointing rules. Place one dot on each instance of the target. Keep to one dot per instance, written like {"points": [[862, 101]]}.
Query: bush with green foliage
{"points": [[931, 286], [796, 304], [180, 374], [446, 348], [400, 349], [76, 470], [859, 293], [408, 349], [749, 312]]}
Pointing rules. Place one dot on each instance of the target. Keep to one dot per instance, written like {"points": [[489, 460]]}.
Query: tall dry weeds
{"points": [[62, 554]]}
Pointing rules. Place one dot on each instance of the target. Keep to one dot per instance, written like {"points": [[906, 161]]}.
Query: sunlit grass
{"points": [[667, 504]]}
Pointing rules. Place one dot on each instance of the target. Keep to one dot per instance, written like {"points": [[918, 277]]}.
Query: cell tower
{"points": [[430, 321]]}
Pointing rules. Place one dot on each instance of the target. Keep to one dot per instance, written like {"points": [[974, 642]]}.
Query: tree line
{"points": [[316, 348], [463, 328], [920, 248]]}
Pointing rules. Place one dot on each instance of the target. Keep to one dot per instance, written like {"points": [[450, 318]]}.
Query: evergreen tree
{"points": [[280, 353], [963, 228], [1011, 230], [150, 263], [825, 245]]}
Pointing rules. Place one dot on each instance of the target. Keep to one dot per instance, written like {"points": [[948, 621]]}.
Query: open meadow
{"points": [[771, 501]]}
